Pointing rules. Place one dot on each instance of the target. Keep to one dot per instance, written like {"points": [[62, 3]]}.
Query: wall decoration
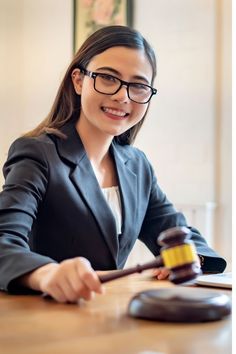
{"points": [[90, 15]]}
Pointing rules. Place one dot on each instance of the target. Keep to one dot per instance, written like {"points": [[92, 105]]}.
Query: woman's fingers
{"points": [[161, 273], [89, 277], [71, 280], [58, 294], [81, 281]]}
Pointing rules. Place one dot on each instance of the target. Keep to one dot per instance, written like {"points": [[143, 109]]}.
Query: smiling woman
{"points": [[77, 194], [112, 113]]}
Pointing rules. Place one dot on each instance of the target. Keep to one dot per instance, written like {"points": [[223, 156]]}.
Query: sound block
{"points": [[180, 304]]}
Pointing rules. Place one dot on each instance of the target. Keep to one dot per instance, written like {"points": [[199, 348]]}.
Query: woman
{"points": [[77, 194]]}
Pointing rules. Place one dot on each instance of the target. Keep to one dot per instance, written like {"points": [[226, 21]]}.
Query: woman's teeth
{"points": [[114, 112]]}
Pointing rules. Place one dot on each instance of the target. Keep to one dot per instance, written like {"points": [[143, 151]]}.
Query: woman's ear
{"points": [[77, 79]]}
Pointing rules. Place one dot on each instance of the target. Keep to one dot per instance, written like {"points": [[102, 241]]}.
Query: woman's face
{"points": [[112, 114]]}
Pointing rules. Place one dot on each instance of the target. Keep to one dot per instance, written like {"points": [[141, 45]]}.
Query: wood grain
{"points": [[33, 325]]}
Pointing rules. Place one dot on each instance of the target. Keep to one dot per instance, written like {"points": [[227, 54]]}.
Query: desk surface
{"points": [[33, 325]]}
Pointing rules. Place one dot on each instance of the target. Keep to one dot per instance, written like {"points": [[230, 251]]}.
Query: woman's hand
{"points": [[163, 273], [67, 281]]}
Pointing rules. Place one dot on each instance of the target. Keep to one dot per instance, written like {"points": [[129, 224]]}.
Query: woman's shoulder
{"points": [[40, 139], [32, 141], [30, 146]]}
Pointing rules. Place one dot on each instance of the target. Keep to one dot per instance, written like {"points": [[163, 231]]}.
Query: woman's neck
{"points": [[96, 143]]}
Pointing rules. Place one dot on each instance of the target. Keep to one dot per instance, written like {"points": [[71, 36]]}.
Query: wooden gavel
{"points": [[178, 254]]}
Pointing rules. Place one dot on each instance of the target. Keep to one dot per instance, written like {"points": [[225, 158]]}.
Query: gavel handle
{"points": [[157, 262]]}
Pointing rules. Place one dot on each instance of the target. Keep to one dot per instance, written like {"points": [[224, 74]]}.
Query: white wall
{"points": [[36, 48], [187, 134], [223, 139], [181, 122]]}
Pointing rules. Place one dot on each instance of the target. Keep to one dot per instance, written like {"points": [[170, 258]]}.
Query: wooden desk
{"points": [[33, 325]]}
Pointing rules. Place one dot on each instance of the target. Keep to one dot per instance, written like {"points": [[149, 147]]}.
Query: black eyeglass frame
{"points": [[93, 75]]}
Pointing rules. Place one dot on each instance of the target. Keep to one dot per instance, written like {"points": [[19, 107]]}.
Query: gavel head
{"points": [[179, 254]]}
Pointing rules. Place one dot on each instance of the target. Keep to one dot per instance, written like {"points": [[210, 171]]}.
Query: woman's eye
{"points": [[140, 87], [107, 78]]}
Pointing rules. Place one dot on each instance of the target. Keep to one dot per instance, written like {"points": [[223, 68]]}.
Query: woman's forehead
{"points": [[124, 60]]}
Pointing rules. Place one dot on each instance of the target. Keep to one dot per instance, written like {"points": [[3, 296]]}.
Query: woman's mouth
{"points": [[115, 113]]}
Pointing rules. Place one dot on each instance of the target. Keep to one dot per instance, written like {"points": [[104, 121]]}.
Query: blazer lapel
{"points": [[85, 180], [83, 177], [128, 191]]}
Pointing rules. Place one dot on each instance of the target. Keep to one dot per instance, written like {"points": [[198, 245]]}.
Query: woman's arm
{"points": [[160, 216]]}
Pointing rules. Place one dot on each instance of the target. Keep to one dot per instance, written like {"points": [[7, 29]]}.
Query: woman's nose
{"points": [[122, 94]]}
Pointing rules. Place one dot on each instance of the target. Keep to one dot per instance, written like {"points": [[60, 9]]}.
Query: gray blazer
{"points": [[52, 208]]}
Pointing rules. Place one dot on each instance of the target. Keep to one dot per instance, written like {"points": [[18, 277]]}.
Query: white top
{"points": [[112, 196]]}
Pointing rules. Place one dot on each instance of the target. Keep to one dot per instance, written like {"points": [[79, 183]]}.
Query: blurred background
{"points": [[187, 134]]}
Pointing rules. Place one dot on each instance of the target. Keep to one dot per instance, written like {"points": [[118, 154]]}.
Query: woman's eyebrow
{"points": [[117, 73]]}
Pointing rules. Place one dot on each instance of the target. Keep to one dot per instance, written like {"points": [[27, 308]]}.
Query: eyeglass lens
{"points": [[109, 84]]}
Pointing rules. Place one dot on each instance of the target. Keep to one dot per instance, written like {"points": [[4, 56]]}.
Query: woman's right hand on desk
{"points": [[67, 281]]}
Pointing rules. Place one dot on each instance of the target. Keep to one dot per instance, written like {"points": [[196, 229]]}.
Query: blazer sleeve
{"points": [[161, 215], [26, 179]]}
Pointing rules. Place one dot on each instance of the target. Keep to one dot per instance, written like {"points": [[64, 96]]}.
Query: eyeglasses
{"points": [[110, 85]]}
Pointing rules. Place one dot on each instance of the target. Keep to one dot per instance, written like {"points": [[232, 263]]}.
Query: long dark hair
{"points": [[67, 103]]}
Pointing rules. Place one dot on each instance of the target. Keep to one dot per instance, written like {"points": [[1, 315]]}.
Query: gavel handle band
{"points": [[179, 255]]}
